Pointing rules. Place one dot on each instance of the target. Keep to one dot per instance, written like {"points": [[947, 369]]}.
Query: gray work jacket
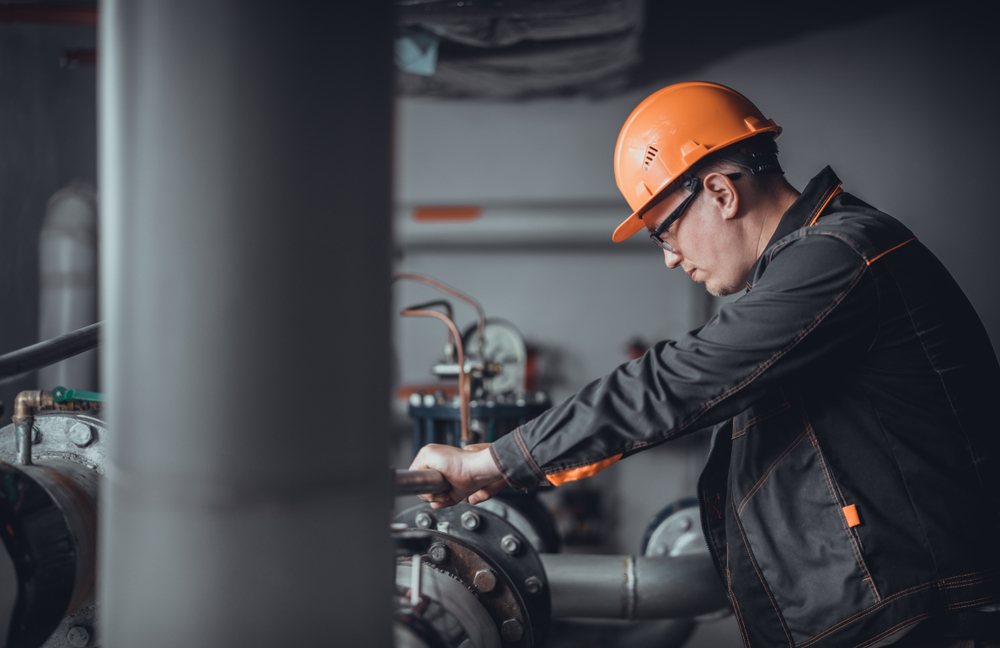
{"points": [[852, 486]]}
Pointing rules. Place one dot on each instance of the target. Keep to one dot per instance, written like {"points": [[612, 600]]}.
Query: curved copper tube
{"points": [[480, 313], [463, 378]]}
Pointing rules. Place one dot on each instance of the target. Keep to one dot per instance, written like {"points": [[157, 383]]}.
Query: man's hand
{"points": [[471, 472]]}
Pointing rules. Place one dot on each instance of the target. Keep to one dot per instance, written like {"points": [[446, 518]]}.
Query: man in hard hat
{"points": [[851, 492]]}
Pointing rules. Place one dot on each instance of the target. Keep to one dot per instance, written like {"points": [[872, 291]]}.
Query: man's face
{"points": [[707, 245]]}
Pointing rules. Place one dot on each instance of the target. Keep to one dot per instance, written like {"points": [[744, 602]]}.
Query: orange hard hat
{"points": [[669, 132]]}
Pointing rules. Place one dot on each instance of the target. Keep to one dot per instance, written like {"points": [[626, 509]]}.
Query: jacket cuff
{"points": [[515, 462]]}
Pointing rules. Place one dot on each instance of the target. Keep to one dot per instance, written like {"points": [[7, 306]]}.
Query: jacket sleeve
{"points": [[814, 306]]}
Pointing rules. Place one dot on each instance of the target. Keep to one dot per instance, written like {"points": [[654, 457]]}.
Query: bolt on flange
{"points": [[438, 553], [470, 521], [533, 585], [485, 581], [510, 544], [511, 630]]}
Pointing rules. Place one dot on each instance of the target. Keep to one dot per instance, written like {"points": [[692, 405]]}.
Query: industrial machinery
{"points": [[489, 576], [485, 576]]}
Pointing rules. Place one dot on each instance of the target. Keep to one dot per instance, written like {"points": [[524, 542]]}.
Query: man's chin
{"points": [[716, 290]]}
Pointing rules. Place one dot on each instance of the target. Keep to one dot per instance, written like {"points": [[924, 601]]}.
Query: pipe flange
{"points": [[488, 539], [463, 562]]}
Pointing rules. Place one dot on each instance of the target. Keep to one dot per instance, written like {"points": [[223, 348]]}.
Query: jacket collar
{"points": [[803, 212]]}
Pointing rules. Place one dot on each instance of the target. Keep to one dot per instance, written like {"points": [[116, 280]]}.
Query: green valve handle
{"points": [[63, 395]]}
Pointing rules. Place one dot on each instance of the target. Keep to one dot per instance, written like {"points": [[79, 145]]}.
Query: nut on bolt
{"points": [[511, 630], [80, 434], [470, 520], [533, 585], [78, 637], [438, 553], [485, 581], [510, 544], [423, 520]]}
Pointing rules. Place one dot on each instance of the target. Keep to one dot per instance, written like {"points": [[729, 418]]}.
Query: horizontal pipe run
{"points": [[626, 587], [420, 482], [49, 352]]}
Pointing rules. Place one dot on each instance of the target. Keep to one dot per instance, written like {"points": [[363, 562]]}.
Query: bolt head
{"points": [[423, 520], [511, 630], [683, 523], [510, 544], [470, 521], [81, 435], [485, 580], [78, 637], [533, 585], [438, 553]]}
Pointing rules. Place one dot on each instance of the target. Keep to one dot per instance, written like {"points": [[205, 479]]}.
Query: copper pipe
{"points": [[480, 313], [463, 377]]}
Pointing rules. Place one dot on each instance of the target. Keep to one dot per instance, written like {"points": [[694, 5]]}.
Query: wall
{"points": [[48, 138], [901, 107]]}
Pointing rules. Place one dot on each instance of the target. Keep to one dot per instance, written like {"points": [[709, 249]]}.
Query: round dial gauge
{"points": [[504, 345]]}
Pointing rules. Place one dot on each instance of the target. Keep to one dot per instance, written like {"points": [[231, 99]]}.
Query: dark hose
{"points": [[49, 352]]}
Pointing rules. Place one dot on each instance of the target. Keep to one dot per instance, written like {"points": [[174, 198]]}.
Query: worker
{"points": [[850, 496]]}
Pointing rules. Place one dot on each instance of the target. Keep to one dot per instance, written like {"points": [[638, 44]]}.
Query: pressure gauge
{"points": [[503, 345]]}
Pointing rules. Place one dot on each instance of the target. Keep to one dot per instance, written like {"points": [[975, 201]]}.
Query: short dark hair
{"points": [[757, 146]]}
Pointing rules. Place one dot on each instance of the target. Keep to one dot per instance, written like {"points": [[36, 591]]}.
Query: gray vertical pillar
{"points": [[245, 176]]}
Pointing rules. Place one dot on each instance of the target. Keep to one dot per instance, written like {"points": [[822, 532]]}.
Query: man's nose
{"points": [[672, 259]]}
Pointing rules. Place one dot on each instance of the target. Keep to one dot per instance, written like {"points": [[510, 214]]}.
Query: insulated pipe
{"points": [[245, 164], [626, 587], [67, 271]]}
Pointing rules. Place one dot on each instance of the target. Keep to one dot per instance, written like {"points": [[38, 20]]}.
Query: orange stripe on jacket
{"points": [[573, 474]]}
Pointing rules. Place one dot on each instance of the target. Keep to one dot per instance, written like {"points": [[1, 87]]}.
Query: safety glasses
{"points": [[694, 186]]}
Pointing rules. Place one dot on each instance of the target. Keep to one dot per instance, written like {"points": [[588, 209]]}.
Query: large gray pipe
{"points": [[245, 151], [626, 587]]}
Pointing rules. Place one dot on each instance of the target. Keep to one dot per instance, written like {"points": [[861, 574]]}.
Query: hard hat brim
{"points": [[629, 226]]}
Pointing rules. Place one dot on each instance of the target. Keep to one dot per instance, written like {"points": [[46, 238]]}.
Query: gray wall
{"points": [[48, 137]]}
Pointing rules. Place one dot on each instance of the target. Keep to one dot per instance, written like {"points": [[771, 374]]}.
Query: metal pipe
{"points": [[420, 482], [50, 352], [245, 162], [463, 374], [626, 587]]}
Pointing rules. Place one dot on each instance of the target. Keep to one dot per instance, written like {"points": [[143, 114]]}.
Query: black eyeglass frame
{"points": [[694, 185]]}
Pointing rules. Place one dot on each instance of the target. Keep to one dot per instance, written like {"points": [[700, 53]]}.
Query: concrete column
{"points": [[245, 183]]}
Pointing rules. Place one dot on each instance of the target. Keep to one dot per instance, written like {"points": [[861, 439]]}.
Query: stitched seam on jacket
{"points": [[898, 595], [590, 461], [979, 601], [527, 455], [839, 501], [753, 563], [763, 417], [503, 469], [770, 470], [736, 607], [827, 197], [760, 369], [895, 628]]}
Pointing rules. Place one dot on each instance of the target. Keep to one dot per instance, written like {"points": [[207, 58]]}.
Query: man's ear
{"points": [[722, 193]]}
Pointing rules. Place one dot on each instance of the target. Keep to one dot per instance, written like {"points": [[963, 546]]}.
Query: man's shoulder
{"points": [[854, 223]]}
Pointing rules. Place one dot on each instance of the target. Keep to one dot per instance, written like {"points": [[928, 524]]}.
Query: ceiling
{"points": [[522, 49]]}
